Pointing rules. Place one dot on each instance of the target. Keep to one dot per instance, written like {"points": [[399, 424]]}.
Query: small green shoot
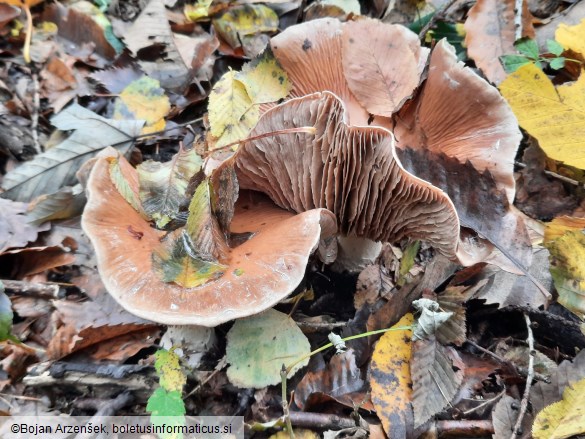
{"points": [[530, 53]]}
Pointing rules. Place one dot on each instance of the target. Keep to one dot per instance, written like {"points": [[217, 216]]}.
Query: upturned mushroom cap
{"points": [[459, 114], [352, 171], [261, 271]]}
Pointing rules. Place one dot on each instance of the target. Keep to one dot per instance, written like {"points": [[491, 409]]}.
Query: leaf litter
{"points": [[298, 104]]}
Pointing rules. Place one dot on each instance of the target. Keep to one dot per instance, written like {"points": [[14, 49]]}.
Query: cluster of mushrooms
{"points": [[365, 88]]}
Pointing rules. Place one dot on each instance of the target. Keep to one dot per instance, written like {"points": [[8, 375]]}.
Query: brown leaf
{"points": [[7, 14], [504, 418], [491, 32], [33, 260], [124, 346], [382, 64], [15, 230], [151, 40], [437, 373], [62, 81], [340, 380]]}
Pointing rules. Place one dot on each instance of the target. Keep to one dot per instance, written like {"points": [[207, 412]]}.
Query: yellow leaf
{"points": [[169, 369], [555, 116], [559, 226], [572, 37], [565, 418], [264, 79], [231, 112], [390, 378], [143, 99], [198, 10], [244, 20], [568, 270]]}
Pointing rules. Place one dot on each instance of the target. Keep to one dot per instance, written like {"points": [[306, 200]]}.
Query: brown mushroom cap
{"points": [[262, 270], [459, 114], [352, 171]]}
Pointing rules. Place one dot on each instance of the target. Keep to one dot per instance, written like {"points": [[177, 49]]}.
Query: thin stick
{"points": [[529, 378], [554, 175], [29, 31], [518, 19], [286, 413], [34, 125], [484, 403]]}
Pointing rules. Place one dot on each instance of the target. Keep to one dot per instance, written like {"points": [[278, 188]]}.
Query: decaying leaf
{"points": [[504, 418], [382, 64], [430, 319], [56, 167], [241, 22], [561, 225], [437, 373], [264, 79], [151, 40], [259, 346], [232, 113], [15, 230], [491, 33], [568, 269], [163, 186], [143, 99], [391, 380], [65, 203], [168, 367], [545, 111], [565, 418]]}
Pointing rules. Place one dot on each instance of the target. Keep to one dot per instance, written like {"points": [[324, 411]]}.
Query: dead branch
{"points": [[464, 428], [46, 290], [320, 421]]}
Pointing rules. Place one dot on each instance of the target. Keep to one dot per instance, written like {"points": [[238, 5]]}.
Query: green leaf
{"points": [[166, 409], [527, 47], [258, 347], [554, 47], [511, 63], [557, 63], [6, 315], [407, 261], [163, 186]]}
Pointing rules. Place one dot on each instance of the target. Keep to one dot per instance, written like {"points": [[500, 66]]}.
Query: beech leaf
{"points": [[264, 79], [67, 202], [243, 21], [231, 111], [56, 167], [545, 111], [15, 230], [571, 37]]}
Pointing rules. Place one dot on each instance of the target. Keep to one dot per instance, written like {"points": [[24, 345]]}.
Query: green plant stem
{"points": [[286, 370]]}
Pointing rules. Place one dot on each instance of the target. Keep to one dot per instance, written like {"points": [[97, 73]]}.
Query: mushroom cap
{"points": [[351, 171], [459, 114], [261, 271]]}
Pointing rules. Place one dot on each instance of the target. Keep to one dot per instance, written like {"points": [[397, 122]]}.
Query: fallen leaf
{"points": [[259, 346], [151, 40], [31, 260], [67, 202], [241, 22], [340, 380], [572, 37], [437, 373], [568, 270], [143, 99], [15, 230], [163, 186], [565, 418], [504, 416], [545, 112], [7, 14], [430, 319], [391, 380], [168, 367], [382, 64], [232, 113], [561, 225], [491, 33], [6, 315], [264, 79], [56, 167]]}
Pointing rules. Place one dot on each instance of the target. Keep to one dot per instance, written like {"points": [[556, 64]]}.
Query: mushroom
{"points": [[260, 272], [351, 171]]}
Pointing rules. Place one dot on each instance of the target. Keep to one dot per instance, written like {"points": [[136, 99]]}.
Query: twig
{"points": [[554, 175], [521, 370], [320, 421], [464, 428], [529, 378], [47, 290], [285, 411], [423, 32], [484, 403], [34, 125], [518, 19], [321, 326]]}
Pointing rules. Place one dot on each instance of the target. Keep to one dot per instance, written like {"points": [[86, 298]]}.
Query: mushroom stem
{"points": [[354, 253]]}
